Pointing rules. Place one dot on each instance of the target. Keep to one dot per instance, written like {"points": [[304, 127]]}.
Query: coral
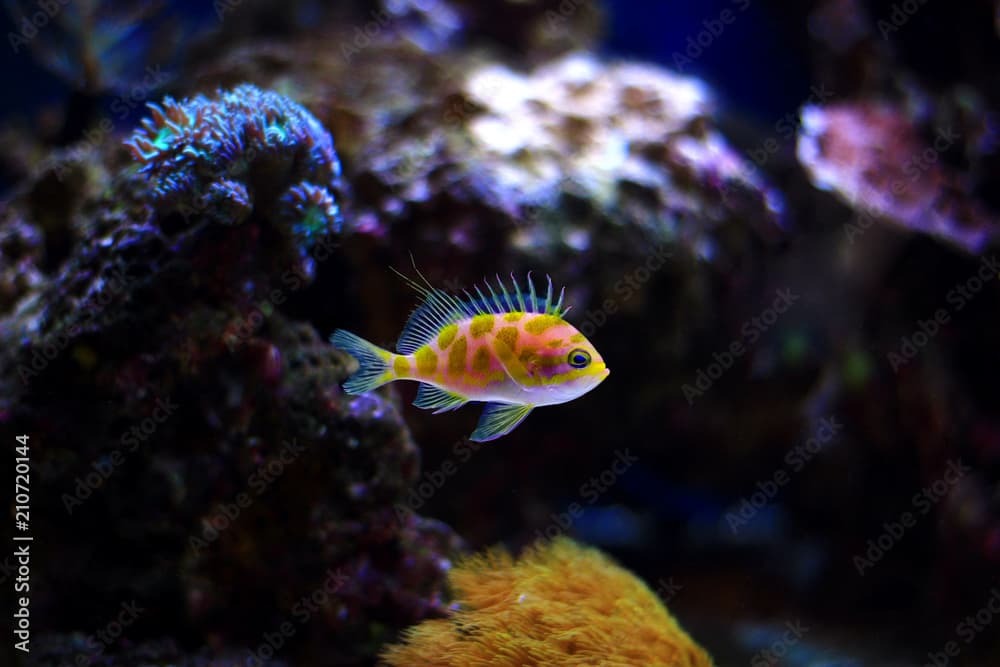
{"points": [[630, 140], [559, 604], [116, 311], [230, 156], [20, 252], [532, 29], [874, 158], [666, 237], [431, 25], [311, 211]]}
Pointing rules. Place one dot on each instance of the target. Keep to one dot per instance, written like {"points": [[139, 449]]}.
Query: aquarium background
{"points": [[775, 220]]}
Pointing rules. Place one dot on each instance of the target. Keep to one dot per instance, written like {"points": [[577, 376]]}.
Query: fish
{"points": [[510, 349]]}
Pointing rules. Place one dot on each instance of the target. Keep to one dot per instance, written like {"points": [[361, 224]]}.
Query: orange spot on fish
{"points": [[426, 360], [481, 325], [401, 365], [508, 335], [456, 356], [481, 360], [447, 335], [541, 323]]}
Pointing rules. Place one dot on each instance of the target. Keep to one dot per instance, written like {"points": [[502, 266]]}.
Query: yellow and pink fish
{"points": [[511, 350]]}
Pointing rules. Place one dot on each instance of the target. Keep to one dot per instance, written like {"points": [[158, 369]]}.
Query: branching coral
{"points": [[560, 604], [247, 151]]}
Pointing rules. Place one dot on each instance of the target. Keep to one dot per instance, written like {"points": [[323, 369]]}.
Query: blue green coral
{"points": [[247, 151]]}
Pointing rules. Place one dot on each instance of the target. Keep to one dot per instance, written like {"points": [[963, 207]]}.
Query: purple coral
{"points": [[247, 151], [873, 157]]}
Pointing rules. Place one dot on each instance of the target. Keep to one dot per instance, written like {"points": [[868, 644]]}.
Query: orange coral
{"points": [[561, 605]]}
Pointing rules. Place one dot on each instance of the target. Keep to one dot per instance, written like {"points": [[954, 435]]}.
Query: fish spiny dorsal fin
{"points": [[506, 297], [438, 310], [486, 302], [526, 303], [474, 305], [490, 302], [493, 295], [533, 300], [517, 293], [559, 309]]}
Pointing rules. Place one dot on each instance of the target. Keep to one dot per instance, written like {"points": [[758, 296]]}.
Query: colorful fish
{"points": [[513, 351]]}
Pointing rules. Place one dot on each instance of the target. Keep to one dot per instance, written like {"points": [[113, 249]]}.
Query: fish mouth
{"points": [[605, 373]]}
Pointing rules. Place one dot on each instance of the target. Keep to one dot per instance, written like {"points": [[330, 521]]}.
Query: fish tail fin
{"points": [[374, 370]]}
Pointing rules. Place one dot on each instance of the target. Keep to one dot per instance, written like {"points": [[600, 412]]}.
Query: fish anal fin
{"points": [[499, 419], [434, 398]]}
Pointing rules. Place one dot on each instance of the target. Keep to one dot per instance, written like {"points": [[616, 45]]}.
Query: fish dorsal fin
{"points": [[439, 400], [499, 419], [439, 309], [501, 301]]}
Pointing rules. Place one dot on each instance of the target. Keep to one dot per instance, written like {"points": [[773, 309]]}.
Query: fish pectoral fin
{"points": [[518, 382], [499, 419], [512, 366], [439, 400]]}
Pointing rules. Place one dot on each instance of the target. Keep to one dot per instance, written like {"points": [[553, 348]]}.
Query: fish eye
{"points": [[578, 358]]}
